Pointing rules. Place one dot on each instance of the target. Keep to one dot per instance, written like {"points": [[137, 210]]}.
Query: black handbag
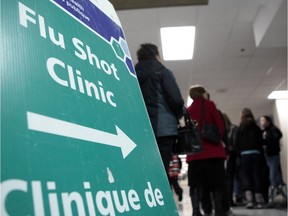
{"points": [[188, 140], [210, 131]]}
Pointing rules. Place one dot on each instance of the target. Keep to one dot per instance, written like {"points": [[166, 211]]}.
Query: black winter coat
{"points": [[272, 136], [249, 137], [162, 97]]}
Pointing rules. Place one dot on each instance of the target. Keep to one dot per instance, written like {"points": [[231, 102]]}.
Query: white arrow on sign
{"points": [[50, 125]]}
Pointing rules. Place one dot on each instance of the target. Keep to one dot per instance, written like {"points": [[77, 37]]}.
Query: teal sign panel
{"points": [[75, 134]]}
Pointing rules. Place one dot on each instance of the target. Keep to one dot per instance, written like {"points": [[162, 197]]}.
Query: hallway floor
{"points": [[185, 208]]}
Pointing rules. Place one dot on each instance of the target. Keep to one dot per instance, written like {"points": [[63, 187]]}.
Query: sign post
{"points": [[75, 134]]}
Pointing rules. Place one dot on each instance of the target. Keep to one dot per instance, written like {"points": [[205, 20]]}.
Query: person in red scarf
{"points": [[174, 170]]}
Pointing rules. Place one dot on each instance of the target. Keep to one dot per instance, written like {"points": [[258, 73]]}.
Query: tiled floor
{"points": [[185, 208]]}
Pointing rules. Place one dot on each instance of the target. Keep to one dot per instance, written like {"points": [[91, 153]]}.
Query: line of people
{"points": [[211, 173]]}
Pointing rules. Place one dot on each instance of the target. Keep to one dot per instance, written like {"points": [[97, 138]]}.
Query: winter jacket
{"points": [[249, 137], [232, 136], [212, 116], [162, 97], [272, 136]]}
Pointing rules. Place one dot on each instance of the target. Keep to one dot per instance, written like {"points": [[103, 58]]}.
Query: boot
{"points": [[217, 198], [272, 195], [249, 199], [283, 191], [260, 203], [195, 199]]}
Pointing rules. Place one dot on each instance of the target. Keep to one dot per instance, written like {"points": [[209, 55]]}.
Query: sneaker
{"points": [[249, 205], [260, 206], [229, 213]]}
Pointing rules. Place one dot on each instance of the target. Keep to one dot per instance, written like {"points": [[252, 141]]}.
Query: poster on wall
{"points": [[75, 134]]}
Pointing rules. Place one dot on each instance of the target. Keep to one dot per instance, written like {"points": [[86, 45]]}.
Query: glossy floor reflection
{"points": [[185, 208]]}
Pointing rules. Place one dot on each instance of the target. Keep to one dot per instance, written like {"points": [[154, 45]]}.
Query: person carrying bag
{"points": [[188, 140], [206, 169], [210, 131]]}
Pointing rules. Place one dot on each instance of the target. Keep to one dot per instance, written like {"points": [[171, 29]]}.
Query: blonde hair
{"points": [[196, 91]]}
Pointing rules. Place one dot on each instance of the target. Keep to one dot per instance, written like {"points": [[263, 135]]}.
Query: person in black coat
{"points": [[249, 143], [162, 97], [272, 135]]}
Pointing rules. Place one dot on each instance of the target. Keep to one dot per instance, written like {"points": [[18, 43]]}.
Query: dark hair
{"points": [[247, 117], [227, 121], [208, 95], [268, 119], [147, 52], [196, 91]]}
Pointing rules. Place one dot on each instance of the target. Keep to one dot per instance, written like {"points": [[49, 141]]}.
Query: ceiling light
{"points": [[178, 42], [278, 95]]}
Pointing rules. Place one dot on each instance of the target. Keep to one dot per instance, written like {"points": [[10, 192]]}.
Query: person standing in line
{"points": [[249, 142], [206, 169], [205, 193], [271, 136], [232, 152], [162, 98], [174, 170]]}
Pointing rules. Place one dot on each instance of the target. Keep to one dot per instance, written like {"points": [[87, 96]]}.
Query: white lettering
{"points": [[23, 16], [105, 197], [67, 200], [37, 198], [51, 62], [84, 52], [134, 199], [73, 203], [75, 76], [53, 200], [57, 42], [8, 187], [124, 207], [78, 45], [159, 197], [42, 26], [89, 199], [149, 197]]}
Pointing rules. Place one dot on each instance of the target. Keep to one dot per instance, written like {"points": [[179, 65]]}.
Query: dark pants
{"points": [[237, 181], [165, 145], [251, 172], [175, 185], [207, 176], [228, 187]]}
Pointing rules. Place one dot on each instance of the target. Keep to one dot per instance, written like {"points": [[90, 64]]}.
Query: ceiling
{"points": [[132, 4], [240, 51]]}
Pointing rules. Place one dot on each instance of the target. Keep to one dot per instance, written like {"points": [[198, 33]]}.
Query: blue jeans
{"points": [[275, 174]]}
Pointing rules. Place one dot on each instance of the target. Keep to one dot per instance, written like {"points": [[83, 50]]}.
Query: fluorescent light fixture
{"points": [[278, 95], [178, 42], [189, 101]]}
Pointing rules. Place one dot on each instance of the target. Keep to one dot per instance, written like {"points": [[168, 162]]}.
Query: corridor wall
{"points": [[280, 115]]}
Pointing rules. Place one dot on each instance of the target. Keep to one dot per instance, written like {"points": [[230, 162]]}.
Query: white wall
{"points": [[280, 115]]}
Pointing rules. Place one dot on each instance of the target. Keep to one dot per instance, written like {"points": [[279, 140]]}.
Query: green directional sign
{"points": [[75, 134]]}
